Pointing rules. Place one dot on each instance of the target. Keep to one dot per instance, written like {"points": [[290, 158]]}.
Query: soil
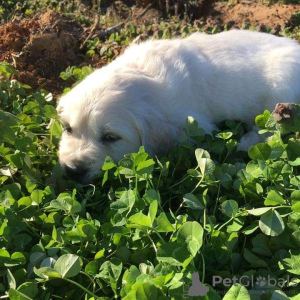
{"points": [[45, 45], [40, 48], [257, 13]]}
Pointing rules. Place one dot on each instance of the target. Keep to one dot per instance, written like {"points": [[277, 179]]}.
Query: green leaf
{"points": [[277, 150], [125, 202], [21, 240], [191, 124], [87, 230], [230, 208], [99, 254], [236, 224], [254, 169], [140, 219], [145, 167], [108, 164], [293, 149], [292, 264], [262, 119], [271, 223], [296, 207], [66, 203], [280, 295], [260, 151], [11, 279], [254, 260], [251, 228], [206, 165], [68, 265], [17, 258], [110, 271], [146, 291], [37, 196], [129, 278], [8, 118], [191, 201], [123, 253], [224, 135], [201, 153], [163, 224], [173, 254], [274, 198], [238, 292], [50, 111], [30, 289], [258, 211], [152, 195], [4, 257], [46, 273], [152, 210], [191, 234], [194, 173], [295, 197], [113, 268], [56, 128], [92, 267], [16, 295]]}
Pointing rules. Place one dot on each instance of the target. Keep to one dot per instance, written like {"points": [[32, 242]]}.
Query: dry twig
{"points": [[95, 27], [145, 10], [108, 31]]}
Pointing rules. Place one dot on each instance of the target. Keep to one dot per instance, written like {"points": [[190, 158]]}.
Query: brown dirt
{"points": [[40, 48], [43, 46], [256, 13]]}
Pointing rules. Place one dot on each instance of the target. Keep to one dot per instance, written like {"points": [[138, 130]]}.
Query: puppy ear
{"points": [[160, 138], [157, 134]]}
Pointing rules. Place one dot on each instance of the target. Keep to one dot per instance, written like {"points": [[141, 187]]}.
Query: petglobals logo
{"points": [[192, 286], [250, 281], [195, 288]]}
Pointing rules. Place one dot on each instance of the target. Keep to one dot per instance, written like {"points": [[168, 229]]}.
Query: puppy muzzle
{"points": [[77, 173]]}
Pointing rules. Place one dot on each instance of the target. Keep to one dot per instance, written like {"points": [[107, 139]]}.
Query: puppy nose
{"points": [[77, 173]]}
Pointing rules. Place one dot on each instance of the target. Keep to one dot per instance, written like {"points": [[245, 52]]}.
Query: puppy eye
{"points": [[68, 129], [110, 138]]}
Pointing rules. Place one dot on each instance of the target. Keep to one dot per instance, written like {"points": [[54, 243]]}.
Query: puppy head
{"points": [[109, 116]]}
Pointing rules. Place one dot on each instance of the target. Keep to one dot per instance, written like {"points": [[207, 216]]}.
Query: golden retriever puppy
{"points": [[145, 95]]}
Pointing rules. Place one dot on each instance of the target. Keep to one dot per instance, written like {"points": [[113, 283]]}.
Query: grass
{"points": [[146, 224]]}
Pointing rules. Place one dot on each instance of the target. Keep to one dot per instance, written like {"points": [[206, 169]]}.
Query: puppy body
{"points": [[145, 95]]}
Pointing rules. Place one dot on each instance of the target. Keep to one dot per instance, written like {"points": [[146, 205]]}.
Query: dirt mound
{"points": [[256, 13], [45, 45], [42, 47]]}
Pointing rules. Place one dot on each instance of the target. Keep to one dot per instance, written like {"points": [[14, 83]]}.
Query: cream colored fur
{"points": [[146, 94]]}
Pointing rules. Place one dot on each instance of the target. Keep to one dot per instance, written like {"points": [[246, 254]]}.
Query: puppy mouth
{"points": [[78, 173]]}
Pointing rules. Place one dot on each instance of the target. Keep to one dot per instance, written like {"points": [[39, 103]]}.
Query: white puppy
{"points": [[146, 94]]}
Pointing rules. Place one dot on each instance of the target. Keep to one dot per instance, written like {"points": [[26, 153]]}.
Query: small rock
{"points": [[95, 58], [30, 68], [41, 80]]}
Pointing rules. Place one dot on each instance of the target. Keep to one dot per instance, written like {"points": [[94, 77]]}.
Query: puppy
{"points": [[145, 95]]}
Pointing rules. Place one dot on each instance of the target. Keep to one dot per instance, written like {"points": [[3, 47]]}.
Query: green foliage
{"points": [[146, 223], [76, 74], [11, 9]]}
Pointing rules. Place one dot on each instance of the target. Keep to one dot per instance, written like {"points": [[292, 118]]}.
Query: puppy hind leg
{"points": [[251, 138]]}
